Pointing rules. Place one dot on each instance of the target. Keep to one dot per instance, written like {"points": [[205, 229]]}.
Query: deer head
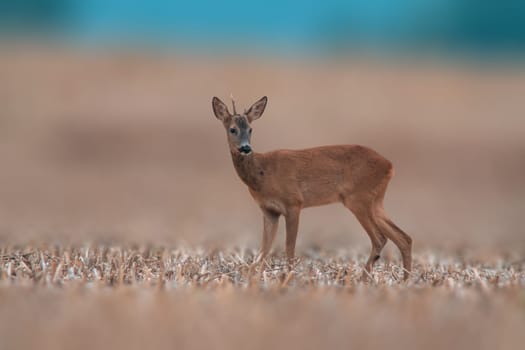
{"points": [[238, 128]]}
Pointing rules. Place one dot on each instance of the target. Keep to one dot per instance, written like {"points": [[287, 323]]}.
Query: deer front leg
{"points": [[292, 225], [270, 221]]}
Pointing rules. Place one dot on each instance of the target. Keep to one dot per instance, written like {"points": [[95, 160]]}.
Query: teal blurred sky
{"points": [[273, 25]]}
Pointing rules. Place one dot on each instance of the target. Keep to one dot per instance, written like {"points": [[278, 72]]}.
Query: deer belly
{"points": [[315, 194]]}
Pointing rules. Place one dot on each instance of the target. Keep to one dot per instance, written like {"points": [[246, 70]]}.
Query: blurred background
{"points": [[107, 131]]}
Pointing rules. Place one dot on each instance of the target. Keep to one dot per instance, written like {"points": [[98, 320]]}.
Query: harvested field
{"points": [[142, 296], [103, 265]]}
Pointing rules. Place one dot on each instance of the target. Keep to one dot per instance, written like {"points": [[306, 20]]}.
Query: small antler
{"points": [[233, 104]]}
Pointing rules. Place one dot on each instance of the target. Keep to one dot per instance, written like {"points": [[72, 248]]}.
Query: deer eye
{"points": [[233, 130], [250, 130]]}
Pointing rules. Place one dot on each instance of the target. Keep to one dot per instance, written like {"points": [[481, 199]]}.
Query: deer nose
{"points": [[245, 149]]}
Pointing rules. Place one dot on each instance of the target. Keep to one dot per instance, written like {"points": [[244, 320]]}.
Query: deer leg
{"points": [[270, 222], [377, 238], [292, 226], [378, 242], [400, 239], [391, 231]]}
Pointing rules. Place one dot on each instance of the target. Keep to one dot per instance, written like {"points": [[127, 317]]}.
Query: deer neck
{"points": [[249, 169]]}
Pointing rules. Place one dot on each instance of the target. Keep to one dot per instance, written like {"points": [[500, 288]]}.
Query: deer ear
{"points": [[257, 109], [220, 109]]}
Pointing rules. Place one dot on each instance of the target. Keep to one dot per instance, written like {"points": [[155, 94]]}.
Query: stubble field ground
{"points": [[123, 224]]}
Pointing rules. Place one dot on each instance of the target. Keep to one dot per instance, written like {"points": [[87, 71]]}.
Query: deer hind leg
{"points": [[364, 215], [402, 240], [391, 231]]}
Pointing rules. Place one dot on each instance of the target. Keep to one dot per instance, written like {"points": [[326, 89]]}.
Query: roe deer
{"points": [[285, 181]]}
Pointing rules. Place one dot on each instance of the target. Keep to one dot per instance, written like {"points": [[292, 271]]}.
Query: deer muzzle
{"points": [[245, 149]]}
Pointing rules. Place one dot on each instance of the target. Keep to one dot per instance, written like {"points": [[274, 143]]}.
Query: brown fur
{"points": [[285, 181]]}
